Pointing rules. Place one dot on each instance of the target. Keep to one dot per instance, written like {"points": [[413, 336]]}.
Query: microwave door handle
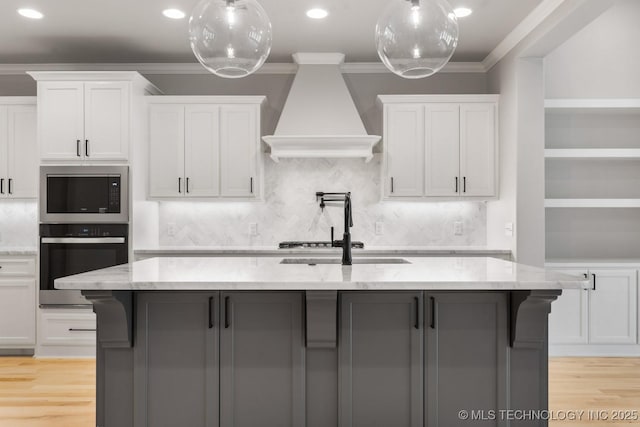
{"points": [[82, 240]]}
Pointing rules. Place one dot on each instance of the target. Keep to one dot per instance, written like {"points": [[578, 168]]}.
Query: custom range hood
{"points": [[319, 118]]}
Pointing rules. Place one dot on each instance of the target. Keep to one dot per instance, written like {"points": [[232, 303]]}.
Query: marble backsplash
{"points": [[290, 211], [18, 223]]}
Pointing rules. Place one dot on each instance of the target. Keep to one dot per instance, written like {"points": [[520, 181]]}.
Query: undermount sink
{"points": [[314, 261]]}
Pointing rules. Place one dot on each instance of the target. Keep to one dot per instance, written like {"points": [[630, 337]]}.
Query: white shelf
{"points": [[582, 104], [592, 203], [592, 153]]}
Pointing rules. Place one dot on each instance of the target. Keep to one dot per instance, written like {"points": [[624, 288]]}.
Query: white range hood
{"points": [[319, 118]]}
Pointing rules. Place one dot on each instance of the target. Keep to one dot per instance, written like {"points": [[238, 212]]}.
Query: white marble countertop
{"points": [[266, 273], [18, 251], [367, 251]]}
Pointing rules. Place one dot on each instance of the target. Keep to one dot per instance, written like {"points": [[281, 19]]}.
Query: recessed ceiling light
{"points": [[30, 13], [461, 12], [317, 13], [173, 13]]}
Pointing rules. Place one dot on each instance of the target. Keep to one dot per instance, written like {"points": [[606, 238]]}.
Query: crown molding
{"points": [[196, 68], [522, 30]]}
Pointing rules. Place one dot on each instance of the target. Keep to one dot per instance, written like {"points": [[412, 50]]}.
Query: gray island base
{"points": [[252, 342]]}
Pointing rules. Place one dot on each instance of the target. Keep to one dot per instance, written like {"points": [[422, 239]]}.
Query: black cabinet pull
{"points": [[210, 312], [86, 147], [179, 185], [594, 280], [226, 312], [1, 185], [432, 302], [81, 330], [10, 181], [456, 184], [78, 148], [392, 184], [464, 184], [251, 185], [187, 184], [417, 322]]}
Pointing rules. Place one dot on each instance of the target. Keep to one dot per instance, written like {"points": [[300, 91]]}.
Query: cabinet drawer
{"points": [[75, 327], [17, 267]]}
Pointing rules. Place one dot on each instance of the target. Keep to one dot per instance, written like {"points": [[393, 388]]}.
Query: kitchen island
{"points": [[301, 342]]}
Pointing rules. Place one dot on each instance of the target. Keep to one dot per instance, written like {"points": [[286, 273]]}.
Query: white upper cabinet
{"points": [[106, 120], [440, 146], [166, 150], [442, 151], [87, 116], [18, 145], [202, 150], [61, 120], [404, 148], [239, 150], [478, 149], [207, 147]]}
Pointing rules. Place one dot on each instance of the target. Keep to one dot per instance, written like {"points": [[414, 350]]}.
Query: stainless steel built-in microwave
{"points": [[84, 194]]}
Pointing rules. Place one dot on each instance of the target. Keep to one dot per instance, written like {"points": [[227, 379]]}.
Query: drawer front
{"points": [[17, 267], [75, 327]]}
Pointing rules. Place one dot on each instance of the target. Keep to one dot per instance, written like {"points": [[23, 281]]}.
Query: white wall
{"points": [[600, 61]]}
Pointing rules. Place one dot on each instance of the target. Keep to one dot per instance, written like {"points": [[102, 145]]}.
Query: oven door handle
{"points": [[83, 240]]}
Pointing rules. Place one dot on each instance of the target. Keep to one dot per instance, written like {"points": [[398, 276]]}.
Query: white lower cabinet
{"points": [[66, 333], [601, 321], [17, 303], [613, 307]]}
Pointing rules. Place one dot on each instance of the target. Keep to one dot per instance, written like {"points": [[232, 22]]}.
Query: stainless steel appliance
{"points": [[67, 249], [84, 194]]}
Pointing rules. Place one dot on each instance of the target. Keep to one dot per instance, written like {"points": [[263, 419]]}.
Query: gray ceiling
{"points": [[88, 31]]}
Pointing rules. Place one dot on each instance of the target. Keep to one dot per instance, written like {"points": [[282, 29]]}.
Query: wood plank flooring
{"points": [[47, 392], [61, 393]]}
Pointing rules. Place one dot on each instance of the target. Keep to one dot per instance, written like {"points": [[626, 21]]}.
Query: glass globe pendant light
{"points": [[416, 38], [230, 38]]}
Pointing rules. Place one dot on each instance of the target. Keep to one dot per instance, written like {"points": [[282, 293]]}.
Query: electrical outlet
{"points": [[457, 228], [171, 229], [508, 229], [379, 228], [253, 229]]}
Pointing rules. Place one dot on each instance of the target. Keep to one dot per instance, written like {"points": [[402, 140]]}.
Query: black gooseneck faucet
{"points": [[345, 243]]}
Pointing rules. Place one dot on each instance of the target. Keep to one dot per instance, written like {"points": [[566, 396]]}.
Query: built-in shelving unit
{"points": [[592, 178]]}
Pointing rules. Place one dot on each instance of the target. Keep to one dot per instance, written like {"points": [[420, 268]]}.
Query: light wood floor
{"points": [[61, 393]]}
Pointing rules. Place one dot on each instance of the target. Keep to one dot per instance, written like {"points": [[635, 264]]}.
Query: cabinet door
{"points": [[381, 360], [17, 313], [404, 148], [176, 351], [466, 348], [478, 149], [202, 150], [106, 115], [613, 306], [239, 142], [569, 315], [22, 148], [4, 151], [166, 151], [442, 150], [61, 120], [262, 360]]}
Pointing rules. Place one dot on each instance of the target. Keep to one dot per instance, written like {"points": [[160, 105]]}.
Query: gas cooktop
{"points": [[326, 244]]}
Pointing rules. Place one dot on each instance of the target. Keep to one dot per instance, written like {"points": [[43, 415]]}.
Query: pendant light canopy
{"points": [[416, 38], [230, 38]]}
